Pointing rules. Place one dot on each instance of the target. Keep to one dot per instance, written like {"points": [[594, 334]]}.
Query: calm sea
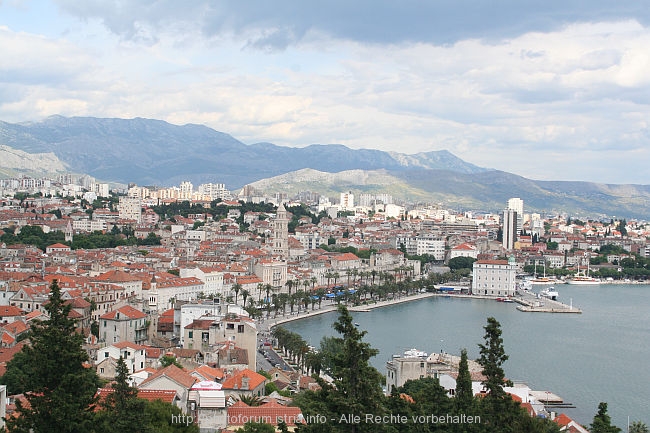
{"points": [[600, 355]]}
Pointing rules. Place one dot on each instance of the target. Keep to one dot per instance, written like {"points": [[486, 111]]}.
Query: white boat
{"points": [[583, 279], [550, 293], [414, 353]]}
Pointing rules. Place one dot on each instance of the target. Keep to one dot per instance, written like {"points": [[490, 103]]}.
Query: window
{"points": [[105, 354], [240, 329], [191, 334]]}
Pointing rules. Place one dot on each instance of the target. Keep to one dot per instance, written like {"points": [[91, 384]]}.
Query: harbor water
{"points": [[599, 355]]}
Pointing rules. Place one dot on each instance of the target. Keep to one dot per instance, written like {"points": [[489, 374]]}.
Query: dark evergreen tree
{"points": [[493, 355], [59, 386], [357, 387], [122, 410], [499, 410], [464, 394], [602, 423]]}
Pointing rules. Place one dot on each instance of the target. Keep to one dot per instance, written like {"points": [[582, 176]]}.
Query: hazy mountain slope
{"points": [[156, 152], [14, 163], [153, 152], [487, 191]]}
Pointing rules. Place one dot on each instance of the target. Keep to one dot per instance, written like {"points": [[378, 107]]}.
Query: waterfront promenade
{"points": [[265, 325], [528, 303]]}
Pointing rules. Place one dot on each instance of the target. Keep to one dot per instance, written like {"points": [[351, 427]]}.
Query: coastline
{"points": [[267, 325]]}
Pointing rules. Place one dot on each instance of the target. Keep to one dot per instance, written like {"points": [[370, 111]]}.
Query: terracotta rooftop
{"points": [[270, 413], [173, 373]]}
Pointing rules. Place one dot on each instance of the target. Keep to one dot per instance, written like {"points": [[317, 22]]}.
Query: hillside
{"points": [[153, 152]]}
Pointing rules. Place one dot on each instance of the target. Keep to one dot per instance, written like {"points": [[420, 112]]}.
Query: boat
{"points": [[550, 293], [414, 353], [504, 300], [543, 279], [583, 279]]}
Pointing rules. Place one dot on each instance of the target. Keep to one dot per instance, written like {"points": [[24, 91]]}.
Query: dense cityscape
{"points": [[178, 293]]}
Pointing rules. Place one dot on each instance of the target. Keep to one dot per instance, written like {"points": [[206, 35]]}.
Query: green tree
{"points": [[168, 360], [602, 423], [167, 418], [256, 427], [357, 386], [638, 427], [59, 388], [464, 393], [122, 410], [493, 355], [461, 263]]}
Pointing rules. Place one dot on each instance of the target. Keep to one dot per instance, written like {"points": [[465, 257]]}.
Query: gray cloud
{"points": [[371, 21]]}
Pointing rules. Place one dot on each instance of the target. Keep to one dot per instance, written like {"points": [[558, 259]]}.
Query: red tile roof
{"points": [[235, 381], [174, 373], [270, 413], [127, 311]]}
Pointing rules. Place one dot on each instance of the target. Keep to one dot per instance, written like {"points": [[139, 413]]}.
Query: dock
{"points": [[530, 303]]}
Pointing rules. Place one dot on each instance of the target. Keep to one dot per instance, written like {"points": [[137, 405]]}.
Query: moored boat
{"points": [[550, 293]]}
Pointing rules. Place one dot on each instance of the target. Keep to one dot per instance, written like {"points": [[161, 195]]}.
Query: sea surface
{"points": [[602, 354]]}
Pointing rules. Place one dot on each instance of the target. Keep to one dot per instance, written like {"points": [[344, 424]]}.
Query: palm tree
{"points": [[244, 295], [321, 294], [236, 288], [290, 284]]}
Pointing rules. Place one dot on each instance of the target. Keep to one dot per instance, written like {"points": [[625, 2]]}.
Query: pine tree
{"points": [[123, 411], [59, 385], [357, 384], [602, 423], [499, 410], [464, 393]]}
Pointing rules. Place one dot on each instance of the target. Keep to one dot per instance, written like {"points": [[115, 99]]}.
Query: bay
{"points": [[600, 355]]}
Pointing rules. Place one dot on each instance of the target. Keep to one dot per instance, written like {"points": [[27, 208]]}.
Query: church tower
{"points": [[68, 232], [281, 232]]}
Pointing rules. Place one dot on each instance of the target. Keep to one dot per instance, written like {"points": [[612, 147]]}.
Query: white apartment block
{"points": [[87, 225], [494, 277], [433, 246], [212, 279], [214, 191], [130, 208], [347, 201]]}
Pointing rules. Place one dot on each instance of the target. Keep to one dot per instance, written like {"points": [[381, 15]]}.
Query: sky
{"points": [[549, 90]]}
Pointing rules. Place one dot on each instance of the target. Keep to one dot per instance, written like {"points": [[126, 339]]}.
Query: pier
{"points": [[530, 303]]}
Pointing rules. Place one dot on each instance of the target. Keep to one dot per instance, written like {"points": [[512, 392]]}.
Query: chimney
{"points": [[244, 382]]}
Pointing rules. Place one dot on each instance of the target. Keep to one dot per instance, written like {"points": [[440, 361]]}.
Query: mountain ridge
{"points": [[156, 153]]}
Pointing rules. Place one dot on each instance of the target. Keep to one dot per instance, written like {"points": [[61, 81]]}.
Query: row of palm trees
{"points": [[368, 287]]}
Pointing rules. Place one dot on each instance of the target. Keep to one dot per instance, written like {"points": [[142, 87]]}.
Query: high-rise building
{"points": [[347, 200], [509, 228], [516, 204]]}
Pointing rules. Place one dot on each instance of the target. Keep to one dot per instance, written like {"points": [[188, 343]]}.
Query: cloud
{"points": [[367, 21], [525, 89]]}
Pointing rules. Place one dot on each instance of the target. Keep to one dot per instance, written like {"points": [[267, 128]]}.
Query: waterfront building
{"points": [[494, 277]]}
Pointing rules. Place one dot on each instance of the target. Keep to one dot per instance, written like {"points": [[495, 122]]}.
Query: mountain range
{"points": [[156, 153]]}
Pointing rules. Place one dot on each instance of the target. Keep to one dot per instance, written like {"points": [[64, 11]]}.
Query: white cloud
{"points": [[529, 104]]}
